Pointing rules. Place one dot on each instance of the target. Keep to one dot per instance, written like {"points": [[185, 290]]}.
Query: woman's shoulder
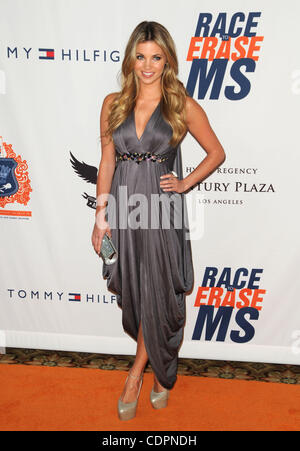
{"points": [[110, 98], [192, 107], [191, 103], [107, 102]]}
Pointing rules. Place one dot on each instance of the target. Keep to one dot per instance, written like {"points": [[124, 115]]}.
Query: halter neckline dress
{"points": [[154, 269]]}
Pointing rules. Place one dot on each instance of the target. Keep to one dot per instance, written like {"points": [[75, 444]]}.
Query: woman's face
{"points": [[150, 62]]}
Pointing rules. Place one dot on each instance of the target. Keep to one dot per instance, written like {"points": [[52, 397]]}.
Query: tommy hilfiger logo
{"points": [[62, 54], [48, 54]]}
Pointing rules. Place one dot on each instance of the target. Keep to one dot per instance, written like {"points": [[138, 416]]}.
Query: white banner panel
{"points": [[58, 60]]}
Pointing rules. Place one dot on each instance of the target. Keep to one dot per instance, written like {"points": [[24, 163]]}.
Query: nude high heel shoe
{"points": [[159, 400], [127, 410]]}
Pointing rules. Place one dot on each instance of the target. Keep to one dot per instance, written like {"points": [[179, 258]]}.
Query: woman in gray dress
{"points": [[142, 127]]}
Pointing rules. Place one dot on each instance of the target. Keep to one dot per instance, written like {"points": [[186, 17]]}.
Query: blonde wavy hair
{"points": [[173, 91]]}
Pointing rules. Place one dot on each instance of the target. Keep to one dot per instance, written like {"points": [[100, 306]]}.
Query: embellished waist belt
{"points": [[138, 157]]}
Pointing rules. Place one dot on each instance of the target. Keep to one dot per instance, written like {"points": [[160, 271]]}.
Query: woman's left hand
{"points": [[170, 182]]}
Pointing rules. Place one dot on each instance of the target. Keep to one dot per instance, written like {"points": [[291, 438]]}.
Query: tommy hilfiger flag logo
{"points": [[48, 54], [75, 297]]}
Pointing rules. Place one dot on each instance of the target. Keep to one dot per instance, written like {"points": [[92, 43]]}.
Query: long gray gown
{"points": [[154, 269]]}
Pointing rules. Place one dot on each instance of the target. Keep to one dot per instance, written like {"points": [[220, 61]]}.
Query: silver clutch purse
{"points": [[108, 251]]}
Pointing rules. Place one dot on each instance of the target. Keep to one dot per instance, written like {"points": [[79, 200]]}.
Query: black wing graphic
{"points": [[87, 172]]}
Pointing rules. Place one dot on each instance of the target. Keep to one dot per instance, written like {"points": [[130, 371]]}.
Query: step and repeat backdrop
{"points": [[241, 63]]}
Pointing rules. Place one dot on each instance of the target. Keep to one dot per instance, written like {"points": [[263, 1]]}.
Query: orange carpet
{"points": [[57, 398]]}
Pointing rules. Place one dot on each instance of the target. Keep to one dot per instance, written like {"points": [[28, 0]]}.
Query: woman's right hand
{"points": [[100, 228]]}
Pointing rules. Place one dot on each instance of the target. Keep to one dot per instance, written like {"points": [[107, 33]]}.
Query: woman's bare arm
{"points": [[108, 159], [105, 175], [199, 127]]}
